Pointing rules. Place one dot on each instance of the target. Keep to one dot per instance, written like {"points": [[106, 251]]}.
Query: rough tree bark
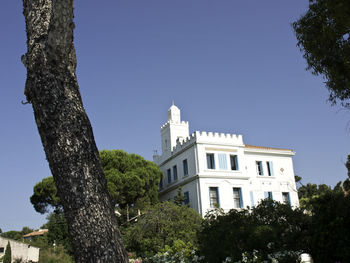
{"points": [[66, 133]]}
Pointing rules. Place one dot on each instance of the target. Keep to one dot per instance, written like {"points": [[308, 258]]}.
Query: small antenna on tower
{"points": [[173, 103]]}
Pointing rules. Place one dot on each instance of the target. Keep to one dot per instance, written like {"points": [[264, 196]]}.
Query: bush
{"points": [[55, 255], [267, 232], [162, 227]]}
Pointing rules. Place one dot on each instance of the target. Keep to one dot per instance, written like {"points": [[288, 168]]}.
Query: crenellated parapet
{"points": [[209, 138], [184, 143], [219, 138], [165, 125], [175, 136]]}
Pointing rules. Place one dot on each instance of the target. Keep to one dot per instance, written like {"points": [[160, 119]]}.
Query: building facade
{"points": [[219, 170], [19, 250]]}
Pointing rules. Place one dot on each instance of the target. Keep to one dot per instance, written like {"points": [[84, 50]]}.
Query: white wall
{"points": [[20, 250], [246, 177], [195, 148]]}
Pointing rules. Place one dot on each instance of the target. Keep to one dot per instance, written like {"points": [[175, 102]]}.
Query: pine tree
{"points": [[180, 197], [7, 256], [66, 133]]}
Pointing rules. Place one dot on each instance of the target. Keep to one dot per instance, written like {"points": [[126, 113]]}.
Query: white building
{"points": [[220, 170], [19, 250]]}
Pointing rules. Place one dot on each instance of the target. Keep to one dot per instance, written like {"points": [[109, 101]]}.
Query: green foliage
{"points": [[132, 181], [230, 229], [180, 252], [297, 178], [323, 37], [329, 232], [55, 255], [309, 192], [163, 226], [39, 241], [45, 196], [17, 235], [268, 231], [274, 230], [7, 257], [180, 197], [18, 260], [58, 232], [26, 230]]}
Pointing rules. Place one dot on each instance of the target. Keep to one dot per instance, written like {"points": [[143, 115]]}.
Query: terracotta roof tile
{"points": [[37, 233]]}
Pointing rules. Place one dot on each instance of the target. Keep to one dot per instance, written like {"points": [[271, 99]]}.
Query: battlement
{"points": [[172, 122], [208, 137], [181, 144], [201, 137], [216, 135]]}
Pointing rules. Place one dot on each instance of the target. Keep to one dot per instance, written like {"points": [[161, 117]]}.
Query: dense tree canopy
{"points": [[45, 196], [165, 224], [329, 231], [17, 235], [58, 231], [269, 230], [323, 37], [307, 193], [131, 180]]}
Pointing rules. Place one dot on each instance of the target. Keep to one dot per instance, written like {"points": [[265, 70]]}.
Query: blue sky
{"points": [[230, 66]]}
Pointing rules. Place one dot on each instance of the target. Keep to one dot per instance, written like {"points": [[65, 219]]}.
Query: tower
{"points": [[173, 130]]}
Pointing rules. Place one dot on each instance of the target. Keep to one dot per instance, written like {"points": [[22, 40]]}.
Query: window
{"points": [[187, 198], [259, 168], [252, 199], [269, 168], [237, 198], [2, 249], [210, 161], [234, 162], [268, 195], [185, 165], [175, 172], [168, 172], [222, 161], [286, 198], [214, 197], [161, 183]]}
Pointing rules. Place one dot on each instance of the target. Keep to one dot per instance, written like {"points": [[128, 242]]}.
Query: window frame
{"points": [[175, 177], [234, 162], [268, 195], [237, 190], [214, 189], [168, 172], [211, 161], [286, 194], [185, 167], [161, 184], [259, 168], [269, 166], [187, 197]]}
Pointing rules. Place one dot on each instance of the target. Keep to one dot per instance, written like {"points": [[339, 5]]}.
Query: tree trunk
{"points": [[66, 133]]}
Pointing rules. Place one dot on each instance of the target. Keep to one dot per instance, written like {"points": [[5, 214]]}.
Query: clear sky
{"points": [[230, 66]]}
